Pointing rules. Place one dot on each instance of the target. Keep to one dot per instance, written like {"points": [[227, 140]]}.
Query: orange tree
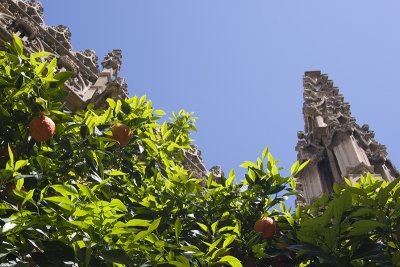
{"points": [[107, 188], [357, 225], [79, 197]]}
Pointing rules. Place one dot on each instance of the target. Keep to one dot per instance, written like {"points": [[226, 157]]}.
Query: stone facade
{"points": [[88, 84], [334, 143]]}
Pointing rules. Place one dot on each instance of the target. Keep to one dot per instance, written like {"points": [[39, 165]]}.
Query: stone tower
{"points": [[334, 143], [88, 84]]}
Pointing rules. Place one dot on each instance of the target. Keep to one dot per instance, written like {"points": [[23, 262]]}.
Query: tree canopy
{"points": [[81, 198]]}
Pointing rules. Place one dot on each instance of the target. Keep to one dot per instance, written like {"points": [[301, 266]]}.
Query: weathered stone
{"points": [[335, 144]]}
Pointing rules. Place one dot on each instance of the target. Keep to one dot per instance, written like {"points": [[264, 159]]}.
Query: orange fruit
{"points": [[42, 128], [121, 133], [266, 226]]}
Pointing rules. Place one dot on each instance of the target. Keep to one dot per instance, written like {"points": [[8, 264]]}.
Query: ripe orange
{"points": [[42, 128], [122, 134], [266, 226]]}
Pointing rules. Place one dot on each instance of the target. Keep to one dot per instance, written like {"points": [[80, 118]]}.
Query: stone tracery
{"points": [[336, 145]]}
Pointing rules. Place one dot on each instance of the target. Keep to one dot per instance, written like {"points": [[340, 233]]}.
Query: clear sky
{"points": [[239, 64]]}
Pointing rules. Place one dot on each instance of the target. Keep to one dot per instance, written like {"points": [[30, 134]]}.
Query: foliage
{"points": [[79, 199], [358, 225]]}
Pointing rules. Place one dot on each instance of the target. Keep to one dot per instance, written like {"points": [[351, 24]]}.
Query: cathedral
{"points": [[335, 144]]}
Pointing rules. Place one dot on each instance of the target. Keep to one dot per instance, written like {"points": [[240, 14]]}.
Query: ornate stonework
{"points": [[88, 85], [334, 143], [194, 162]]}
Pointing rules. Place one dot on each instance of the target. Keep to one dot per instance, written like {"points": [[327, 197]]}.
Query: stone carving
{"points": [[33, 9], [25, 29], [217, 172], [89, 58], [62, 34], [122, 86], [113, 61], [194, 162], [64, 62], [336, 145]]}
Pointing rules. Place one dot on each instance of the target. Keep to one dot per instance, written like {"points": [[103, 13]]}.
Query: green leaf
{"points": [[65, 190], [341, 204], [294, 168], [19, 184], [50, 69], [115, 173], [111, 102], [60, 201], [228, 241], [138, 222], [41, 54], [384, 193], [203, 227], [177, 228], [154, 225], [40, 68], [302, 166], [210, 179], [159, 112], [151, 146], [119, 204], [265, 153], [231, 178], [62, 77], [20, 163], [4, 206], [232, 261], [364, 226], [18, 45], [248, 164], [28, 196], [118, 106], [214, 245], [10, 155], [84, 190], [80, 224], [141, 235], [214, 227]]}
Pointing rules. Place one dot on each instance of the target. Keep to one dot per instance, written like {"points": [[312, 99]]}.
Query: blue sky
{"points": [[239, 64]]}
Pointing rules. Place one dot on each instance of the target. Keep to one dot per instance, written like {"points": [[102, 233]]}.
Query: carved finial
{"points": [[33, 8], [113, 61]]}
